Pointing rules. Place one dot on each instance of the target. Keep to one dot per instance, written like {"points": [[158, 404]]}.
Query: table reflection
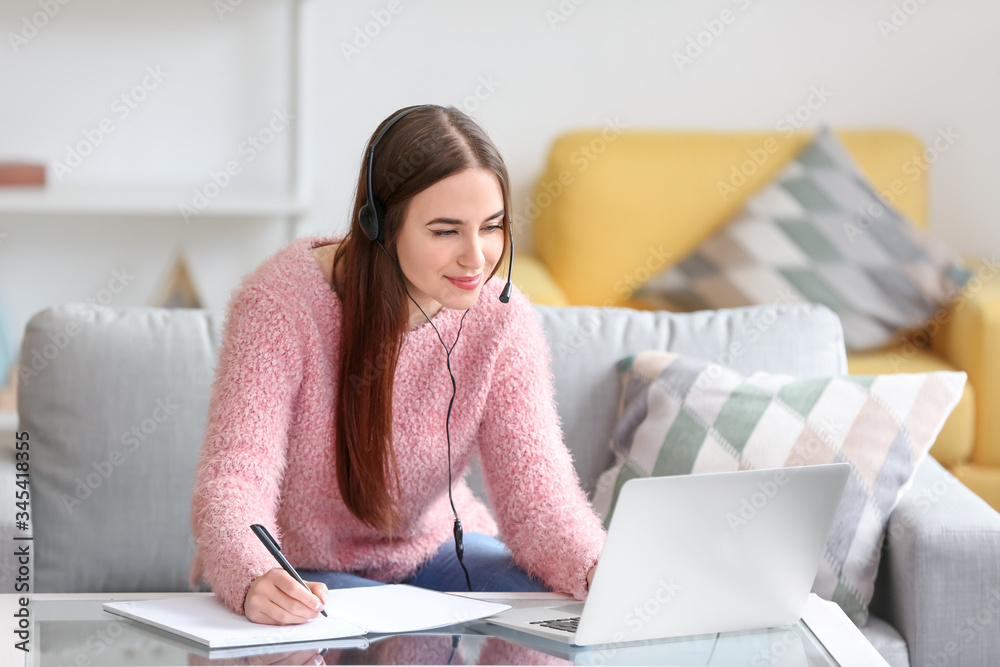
{"points": [[406, 649]]}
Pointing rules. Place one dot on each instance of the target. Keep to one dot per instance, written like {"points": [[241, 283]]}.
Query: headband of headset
{"points": [[371, 212]]}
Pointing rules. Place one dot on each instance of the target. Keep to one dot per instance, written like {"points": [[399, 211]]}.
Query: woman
{"points": [[330, 420]]}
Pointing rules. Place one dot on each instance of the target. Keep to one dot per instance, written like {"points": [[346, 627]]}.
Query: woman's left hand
{"points": [[590, 576]]}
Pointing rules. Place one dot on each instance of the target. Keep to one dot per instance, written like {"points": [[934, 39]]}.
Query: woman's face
{"points": [[453, 230]]}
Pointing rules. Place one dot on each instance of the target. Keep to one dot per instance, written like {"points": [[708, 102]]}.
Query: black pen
{"points": [[272, 546]]}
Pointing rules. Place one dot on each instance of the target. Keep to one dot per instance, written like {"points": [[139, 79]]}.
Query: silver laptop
{"points": [[696, 554]]}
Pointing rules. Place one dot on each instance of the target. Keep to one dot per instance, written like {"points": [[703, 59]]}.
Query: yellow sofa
{"points": [[613, 208]]}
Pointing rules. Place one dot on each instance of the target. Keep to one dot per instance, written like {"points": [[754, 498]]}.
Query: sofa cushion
{"points": [[681, 415], [115, 402], [819, 232], [586, 344], [661, 190], [957, 436]]}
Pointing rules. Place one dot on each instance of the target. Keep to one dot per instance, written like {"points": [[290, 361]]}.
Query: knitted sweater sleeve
{"points": [[543, 514], [242, 460]]}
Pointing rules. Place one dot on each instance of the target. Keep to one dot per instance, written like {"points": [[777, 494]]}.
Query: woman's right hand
{"points": [[276, 598]]}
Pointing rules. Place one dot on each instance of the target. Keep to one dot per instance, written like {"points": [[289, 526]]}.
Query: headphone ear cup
{"points": [[378, 215], [368, 219]]}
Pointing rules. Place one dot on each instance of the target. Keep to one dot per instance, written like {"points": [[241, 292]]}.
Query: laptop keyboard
{"points": [[565, 624]]}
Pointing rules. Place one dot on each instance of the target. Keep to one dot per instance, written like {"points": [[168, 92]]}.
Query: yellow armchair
{"points": [[612, 209], [969, 339]]}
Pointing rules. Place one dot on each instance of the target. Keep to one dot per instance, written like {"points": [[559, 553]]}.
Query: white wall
{"points": [[216, 82], [605, 60]]}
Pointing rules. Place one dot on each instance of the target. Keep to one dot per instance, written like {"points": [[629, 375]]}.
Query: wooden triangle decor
{"points": [[178, 291]]}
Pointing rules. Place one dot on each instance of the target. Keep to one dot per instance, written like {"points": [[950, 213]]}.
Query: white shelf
{"points": [[145, 200], [165, 202]]}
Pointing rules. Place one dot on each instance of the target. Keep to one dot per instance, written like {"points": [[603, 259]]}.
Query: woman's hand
{"points": [[275, 598], [590, 575]]}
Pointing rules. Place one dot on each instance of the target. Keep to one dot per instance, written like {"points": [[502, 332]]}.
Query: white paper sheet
{"points": [[352, 611], [403, 608], [207, 621]]}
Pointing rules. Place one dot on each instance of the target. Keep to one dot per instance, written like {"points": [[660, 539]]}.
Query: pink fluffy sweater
{"points": [[268, 454]]}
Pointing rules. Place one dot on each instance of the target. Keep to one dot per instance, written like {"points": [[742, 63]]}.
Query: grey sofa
{"points": [[115, 406]]}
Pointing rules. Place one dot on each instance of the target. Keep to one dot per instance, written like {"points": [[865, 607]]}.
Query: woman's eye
{"points": [[449, 232]]}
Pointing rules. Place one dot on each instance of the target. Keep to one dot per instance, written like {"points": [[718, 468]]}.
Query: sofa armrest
{"points": [[939, 580], [535, 281], [967, 334]]}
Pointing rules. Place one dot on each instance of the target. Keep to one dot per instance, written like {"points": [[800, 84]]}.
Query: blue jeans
{"points": [[489, 562]]}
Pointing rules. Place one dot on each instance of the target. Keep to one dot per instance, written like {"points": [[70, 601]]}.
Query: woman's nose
{"points": [[472, 253]]}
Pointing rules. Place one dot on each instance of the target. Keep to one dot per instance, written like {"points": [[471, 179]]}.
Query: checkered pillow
{"points": [[681, 415], [819, 233]]}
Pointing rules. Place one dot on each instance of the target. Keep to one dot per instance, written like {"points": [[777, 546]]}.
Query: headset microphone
{"points": [[370, 220], [505, 295]]}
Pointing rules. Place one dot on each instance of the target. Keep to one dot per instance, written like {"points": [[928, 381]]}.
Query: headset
{"points": [[370, 219]]}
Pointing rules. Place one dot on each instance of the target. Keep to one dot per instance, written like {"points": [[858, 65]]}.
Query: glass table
{"points": [[74, 631]]}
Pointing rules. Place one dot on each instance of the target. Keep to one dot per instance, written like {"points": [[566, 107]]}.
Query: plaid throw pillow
{"points": [[819, 233], [681, 415]]}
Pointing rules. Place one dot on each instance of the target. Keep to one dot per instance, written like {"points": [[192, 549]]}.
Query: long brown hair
{"points": [[422, 148]]}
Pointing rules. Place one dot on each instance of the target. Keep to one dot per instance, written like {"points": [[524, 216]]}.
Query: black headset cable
{"points": [[457, 530]]}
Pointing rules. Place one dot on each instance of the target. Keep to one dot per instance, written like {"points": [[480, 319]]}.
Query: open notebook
{"points": [[392, 608]]}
